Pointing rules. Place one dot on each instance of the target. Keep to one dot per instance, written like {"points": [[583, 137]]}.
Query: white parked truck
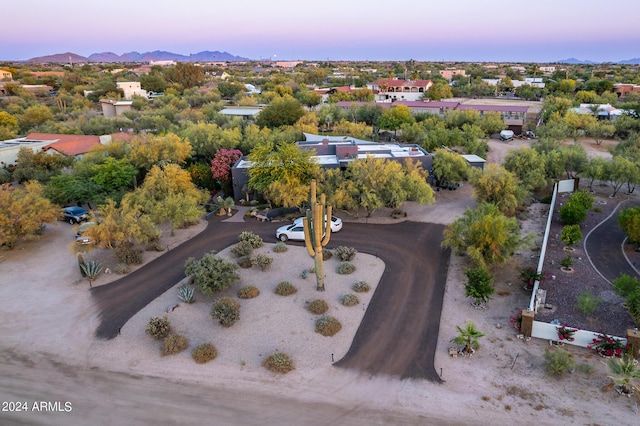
{"points": [[506, 135]]}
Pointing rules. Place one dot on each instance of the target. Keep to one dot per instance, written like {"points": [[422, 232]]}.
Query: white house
{"points": [[399, 90], [131, 88]]}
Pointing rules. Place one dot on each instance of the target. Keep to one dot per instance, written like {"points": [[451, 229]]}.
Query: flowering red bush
{"points": [[516, 320], [529, 276], [607, 345], [566, 333], [222, 162]]}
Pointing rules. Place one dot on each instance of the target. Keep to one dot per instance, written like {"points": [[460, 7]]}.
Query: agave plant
{"points": [[91, 269], [185, 293]]}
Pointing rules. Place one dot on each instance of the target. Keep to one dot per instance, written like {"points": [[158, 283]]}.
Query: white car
{"points": [[336, 223], [290, 232]]}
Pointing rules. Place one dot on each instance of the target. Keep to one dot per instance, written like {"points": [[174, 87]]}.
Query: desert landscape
{"points": [[48, 351]]}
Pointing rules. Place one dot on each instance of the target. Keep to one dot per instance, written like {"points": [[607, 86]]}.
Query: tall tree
{"points": [[485, 234], [528, 166], [149, 150], [393, 118], [498, 186], [283, 111], [449, 167]]}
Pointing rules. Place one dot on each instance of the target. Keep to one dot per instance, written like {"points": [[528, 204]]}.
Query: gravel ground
{"points": [[563, 287]]}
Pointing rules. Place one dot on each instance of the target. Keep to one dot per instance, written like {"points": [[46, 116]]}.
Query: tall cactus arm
{"points": [[307, 238], [327, 223]]}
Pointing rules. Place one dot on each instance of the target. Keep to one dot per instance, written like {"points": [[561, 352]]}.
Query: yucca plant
{"points": [[91, 269]]}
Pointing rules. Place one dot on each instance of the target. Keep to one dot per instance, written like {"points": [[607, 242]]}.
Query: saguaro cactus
{"points": [[317, 232]]}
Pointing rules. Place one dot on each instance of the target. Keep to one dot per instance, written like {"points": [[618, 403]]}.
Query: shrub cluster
{"points": [[345, 254], [243, 248], [158, 328], [326, 254], [226, 310], [349, 300], [328, 326], [248, 292], [346, 268], [575, 209], [173, 344], [154, 246], [255, 241], [204, 353], [128, 253], [244, 262], [318, 306], [285, 288], [280, 247], [558, 362], [360, 287], [122, 268], [278, 363], [262, 261]]}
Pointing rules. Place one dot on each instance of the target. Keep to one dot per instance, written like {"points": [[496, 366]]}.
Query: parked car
{"points": [[290, 232], [80, 237], [74, 214], [336, 223], [506, 135]]}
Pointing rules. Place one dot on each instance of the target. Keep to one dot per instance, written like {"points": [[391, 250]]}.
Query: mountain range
{"points": [[157, 55]]}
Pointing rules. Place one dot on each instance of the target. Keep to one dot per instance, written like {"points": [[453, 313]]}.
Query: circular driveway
{"points": [[399, 332]]}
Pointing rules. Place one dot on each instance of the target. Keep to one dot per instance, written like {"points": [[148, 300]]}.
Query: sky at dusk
{"points": [[464, 30]]}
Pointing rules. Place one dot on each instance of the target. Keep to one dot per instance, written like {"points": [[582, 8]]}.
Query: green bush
{"points": [[248, 292], [173, 344], [597, 209], [345, 254], [244, 262], [226, 310], [318, 306], [280, 247], [128, 253], [326, 254], [204, 353], [154, 246], [583, 199], [349, 300], [346, 268], [571, 235], [588, 303], [211, 273], [566, 262], [572, 213], [254, 240], [122, 268], [158, 328], [558, 362], [185, 293], [360, 287], [262, 261], [243, 248], [285, 288], [328, 326], [278, 363]]}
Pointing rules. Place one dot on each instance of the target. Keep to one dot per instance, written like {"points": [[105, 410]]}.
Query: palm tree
{"points": [[468, 337], [625, 370]]}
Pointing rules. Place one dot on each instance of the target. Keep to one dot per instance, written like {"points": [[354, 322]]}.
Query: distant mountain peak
{"points": [[575, 61], [156, 55]]}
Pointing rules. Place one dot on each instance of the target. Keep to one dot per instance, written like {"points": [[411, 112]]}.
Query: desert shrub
{"points": [[158, 328], [328, 326], [128, 253], [211, 273], [326, 254], [597, 209], [173, 344], [583, 199], [154, 246], [204, 353], [346, 268], [571, 235], [226, 310], [349, 300], [360, 287], [278, 363], [285, 288], [248, 292], [318, 306], [243, 248], [185, 293], [262, 261], [573, 213], [566, 262], [254, 240], [122, 268], [304, 274], [558, 362], [345, 254], [312, 270], [244, 262], [588, 303], [280, 247]]}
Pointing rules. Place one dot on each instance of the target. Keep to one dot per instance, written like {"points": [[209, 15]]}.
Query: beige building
{"points": [[131, 88], [450, 73], [113, 108], [5, 75]]}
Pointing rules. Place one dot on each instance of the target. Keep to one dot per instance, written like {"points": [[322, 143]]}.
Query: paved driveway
{"points": [[399, 332]]}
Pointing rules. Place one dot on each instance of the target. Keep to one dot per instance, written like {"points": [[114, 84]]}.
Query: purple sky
{"points": [[465, 30]]}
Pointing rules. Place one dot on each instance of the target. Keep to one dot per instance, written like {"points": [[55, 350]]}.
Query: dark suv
{"points": [[74, 214]]}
